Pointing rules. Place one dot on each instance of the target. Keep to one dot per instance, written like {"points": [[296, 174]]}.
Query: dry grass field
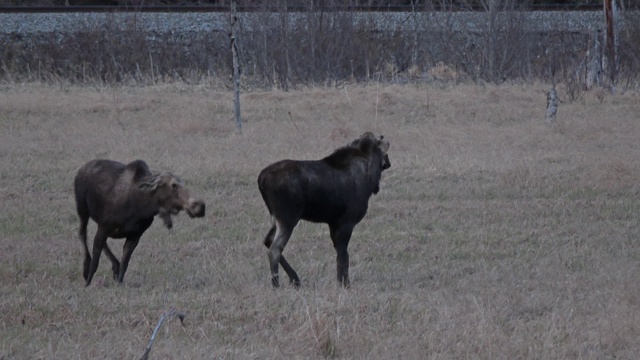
{"points": [[494, 236]]}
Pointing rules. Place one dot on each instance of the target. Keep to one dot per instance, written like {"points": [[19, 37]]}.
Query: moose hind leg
{"points": [[293, 277], [280, 239], [268, 240]]}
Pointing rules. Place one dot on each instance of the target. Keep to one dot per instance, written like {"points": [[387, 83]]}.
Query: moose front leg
{"points": [[340, 235], [115, 264], [99, 242], [129, 245]]}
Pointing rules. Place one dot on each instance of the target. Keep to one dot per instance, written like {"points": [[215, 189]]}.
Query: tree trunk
{"points": [[610, 14], [236, 67]]}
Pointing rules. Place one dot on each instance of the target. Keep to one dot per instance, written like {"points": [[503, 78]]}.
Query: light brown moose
{"points": [[123, 200]]}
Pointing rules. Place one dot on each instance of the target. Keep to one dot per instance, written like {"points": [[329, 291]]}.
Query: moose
{"points": [[123, 200], [334, 190]]}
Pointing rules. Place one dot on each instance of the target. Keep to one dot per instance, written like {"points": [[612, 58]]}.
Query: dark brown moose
{"points": [[123, 200], [334, 190]]}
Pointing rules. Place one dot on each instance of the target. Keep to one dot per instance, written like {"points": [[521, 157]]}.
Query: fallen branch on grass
{"points": [[164, 316]]}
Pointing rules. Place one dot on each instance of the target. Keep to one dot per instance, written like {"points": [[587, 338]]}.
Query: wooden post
{"points": [[236, 67]]}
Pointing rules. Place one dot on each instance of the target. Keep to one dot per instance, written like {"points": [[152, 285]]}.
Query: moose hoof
{"points": [[296, 283], [116, 272]]}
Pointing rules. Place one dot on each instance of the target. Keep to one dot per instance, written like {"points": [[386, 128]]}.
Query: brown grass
{"points": [[495, 235]]}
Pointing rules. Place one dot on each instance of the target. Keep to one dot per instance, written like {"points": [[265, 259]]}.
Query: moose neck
{"points": [[145, 204]]}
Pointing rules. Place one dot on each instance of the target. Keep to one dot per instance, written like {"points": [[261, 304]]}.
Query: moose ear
{"points": [[383, 144], [149, 184]]}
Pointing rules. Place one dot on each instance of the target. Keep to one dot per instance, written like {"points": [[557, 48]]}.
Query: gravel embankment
{"points": [[194, 23]]}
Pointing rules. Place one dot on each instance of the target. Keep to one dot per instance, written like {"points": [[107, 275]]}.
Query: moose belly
{"points": [[131, 228], [324, 212]]}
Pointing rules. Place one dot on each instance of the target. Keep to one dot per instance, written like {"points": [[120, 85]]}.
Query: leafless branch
{"points": [[164, 316]]}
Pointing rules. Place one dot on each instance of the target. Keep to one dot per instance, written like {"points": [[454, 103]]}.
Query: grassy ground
{"points": [[494, 236]]}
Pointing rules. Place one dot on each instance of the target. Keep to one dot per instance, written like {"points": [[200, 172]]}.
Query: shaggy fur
{"points": [[334, 190], [123, 200]]}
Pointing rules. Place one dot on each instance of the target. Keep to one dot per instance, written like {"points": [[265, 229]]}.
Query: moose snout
{"points": [[196, 208]]}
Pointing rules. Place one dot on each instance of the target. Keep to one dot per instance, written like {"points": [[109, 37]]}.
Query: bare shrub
{"points": [[112, 55], [443, 72], [504, 41], [321, 46], [629, 54], [319, 43], [565, 61]]}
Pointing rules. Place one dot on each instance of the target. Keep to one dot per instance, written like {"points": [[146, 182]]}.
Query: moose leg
{"points": [[98, 243], [129, 245], [293, 277], [280, 239], [84, 219], [115, 264], [340, 235]]}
